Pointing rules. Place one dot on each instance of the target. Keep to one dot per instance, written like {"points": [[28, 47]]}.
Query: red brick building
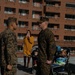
{"points": [[61, 14]]}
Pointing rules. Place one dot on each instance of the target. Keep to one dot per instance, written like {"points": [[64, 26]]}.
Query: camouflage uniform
{"points": [[46, 52], [8, 48]]}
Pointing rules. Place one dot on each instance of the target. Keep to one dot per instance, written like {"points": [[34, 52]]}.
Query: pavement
{"points": [[21, 70], [24, 71]]}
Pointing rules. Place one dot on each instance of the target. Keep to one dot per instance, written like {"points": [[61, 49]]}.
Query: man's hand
{"points": [[9, 67], [49, 62]]}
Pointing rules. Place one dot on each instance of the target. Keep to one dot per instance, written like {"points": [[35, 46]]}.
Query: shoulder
{"points": [[8, 33], [48, 32]]}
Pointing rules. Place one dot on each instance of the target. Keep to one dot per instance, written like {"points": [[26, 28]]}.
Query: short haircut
{"points": [[10, 20], [42, 19]]}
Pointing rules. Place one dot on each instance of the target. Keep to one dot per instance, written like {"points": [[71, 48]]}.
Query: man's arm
{"points": [[51, 46], [9, 48]]}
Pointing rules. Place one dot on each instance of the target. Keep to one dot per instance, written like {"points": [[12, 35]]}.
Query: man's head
{"points": [[12, 23], [43, 22]]}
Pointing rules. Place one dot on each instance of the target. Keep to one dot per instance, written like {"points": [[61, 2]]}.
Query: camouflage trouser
{"points": [[43, 69], [4, 71]]}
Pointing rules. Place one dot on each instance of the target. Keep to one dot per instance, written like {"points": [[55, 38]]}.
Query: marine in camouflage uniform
{"points": [[8, 52], [47, 48]]}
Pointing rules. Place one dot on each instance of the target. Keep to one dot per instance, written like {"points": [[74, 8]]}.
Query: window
{"points": [[23, 12], [11, 0], [20, 48], [37, 3], [69, 38], [35, 26], [22, 24], [70, 5], [21, 36], [53, 3], [37, 0], [8, 10], [23, 1], [56, 37], [53, 26], [72, 49], [5, 22], [70, 16], [69, 27], [35, 38], [36, 14], [52, 15]]}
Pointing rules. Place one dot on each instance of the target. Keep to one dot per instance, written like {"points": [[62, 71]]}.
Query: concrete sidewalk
{"points": [[21, 70]]}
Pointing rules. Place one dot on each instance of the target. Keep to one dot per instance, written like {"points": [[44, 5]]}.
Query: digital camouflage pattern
{"points": [[8, 48], [47, 49]]}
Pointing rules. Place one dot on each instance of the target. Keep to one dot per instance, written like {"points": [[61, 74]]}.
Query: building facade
{"points": [[61, 14]]}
